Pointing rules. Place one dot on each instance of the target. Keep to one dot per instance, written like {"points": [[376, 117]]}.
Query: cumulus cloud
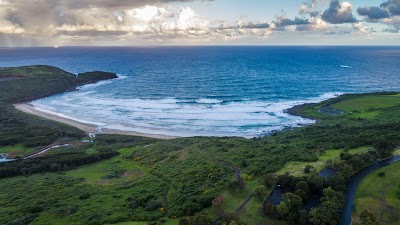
{"points": [[387, 13], [373, 13], [385, 10], [338, 13], [316, 24], [361, 28]]}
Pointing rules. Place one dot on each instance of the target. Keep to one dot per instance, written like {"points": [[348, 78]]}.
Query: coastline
{"points": [[86, 127]]}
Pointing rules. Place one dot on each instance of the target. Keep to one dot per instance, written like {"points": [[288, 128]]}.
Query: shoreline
{"points": [[86, 127]]}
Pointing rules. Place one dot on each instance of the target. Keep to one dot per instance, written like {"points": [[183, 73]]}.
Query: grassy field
{"points": [[380, 195], [367, 107], [16, 150], [297, 168]]}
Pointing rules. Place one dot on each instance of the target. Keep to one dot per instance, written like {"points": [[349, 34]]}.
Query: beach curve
{"points": [[86, 127]]}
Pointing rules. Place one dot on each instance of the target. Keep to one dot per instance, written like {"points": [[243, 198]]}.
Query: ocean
{"points": [[208, 91]]}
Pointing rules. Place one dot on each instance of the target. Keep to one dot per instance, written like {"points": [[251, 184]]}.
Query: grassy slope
{"points": [[297, 168], [378, 194]]}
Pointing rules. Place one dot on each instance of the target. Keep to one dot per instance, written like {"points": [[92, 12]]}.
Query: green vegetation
{"points": [[324, 159], [380, 195], [16, 150], [157, 180]]}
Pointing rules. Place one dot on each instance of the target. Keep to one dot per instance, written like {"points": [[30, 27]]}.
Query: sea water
{"points": [[209, 91]]}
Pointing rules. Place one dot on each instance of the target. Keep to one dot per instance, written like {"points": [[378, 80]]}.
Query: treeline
{"points": [[51, 163]]}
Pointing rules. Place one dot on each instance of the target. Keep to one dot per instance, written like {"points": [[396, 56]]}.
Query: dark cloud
{"points": [[392, 6], [338, 13], [282, 22], [252, 25], [385, 10], [373, 13]]}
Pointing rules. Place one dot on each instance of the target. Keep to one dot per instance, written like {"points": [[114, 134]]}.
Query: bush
{"points": [[308, 169], [381, 174], [153, 205]]}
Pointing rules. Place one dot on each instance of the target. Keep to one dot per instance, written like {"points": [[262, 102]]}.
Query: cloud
{"points": [[387, 13], [385, 10], [373, 13], [282, 22], [316, 24], [392, 6], [360, 27], [338, 13]]}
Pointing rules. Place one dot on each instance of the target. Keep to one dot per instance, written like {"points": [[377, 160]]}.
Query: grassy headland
{"points": [[150, 179]]}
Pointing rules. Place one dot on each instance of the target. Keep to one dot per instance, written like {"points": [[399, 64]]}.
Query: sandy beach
{"points": [[86, 127]]}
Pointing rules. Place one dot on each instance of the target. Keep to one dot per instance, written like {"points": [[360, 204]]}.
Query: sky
{"points": [[198, 22]]}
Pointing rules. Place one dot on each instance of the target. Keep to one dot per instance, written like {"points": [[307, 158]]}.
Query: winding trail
{"points": [[37, 153], [238, 176]]}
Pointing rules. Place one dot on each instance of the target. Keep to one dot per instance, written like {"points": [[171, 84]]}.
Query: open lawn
{"points": [[367, 107], [16, 150], [297, 168], [380, 195]]}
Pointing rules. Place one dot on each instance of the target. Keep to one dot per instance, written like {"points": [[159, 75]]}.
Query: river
{"points": [[353, 184]]}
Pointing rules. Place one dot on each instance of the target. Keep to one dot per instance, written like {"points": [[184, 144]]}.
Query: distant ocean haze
{"points": [[209, 91]]}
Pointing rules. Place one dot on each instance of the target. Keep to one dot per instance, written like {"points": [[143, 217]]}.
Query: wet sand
{"points": [[86, 127]]}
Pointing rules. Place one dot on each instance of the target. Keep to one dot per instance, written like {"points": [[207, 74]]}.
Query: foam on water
{"points": [[200, 117]]}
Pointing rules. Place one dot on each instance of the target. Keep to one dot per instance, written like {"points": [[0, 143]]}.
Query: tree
{"points": [[200, 219], [244, 163], [308, 169], [282, 209], [346, 170], [337, 182], [285, 179], [301, 193], [260, 192], [328, 212], [184, 221], [316, 182], [303, 217], [236, 186], [269, 180], [367, 218], [271, 210], [305, 190], [384, 148], [230, 217]]}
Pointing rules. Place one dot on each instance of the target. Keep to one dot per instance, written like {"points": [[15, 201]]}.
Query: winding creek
{"points": [[353, 185]]}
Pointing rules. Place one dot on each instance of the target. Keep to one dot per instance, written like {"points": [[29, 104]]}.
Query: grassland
{"points": [[151, 177], [380, 195], [16, 150], [297, 168]]}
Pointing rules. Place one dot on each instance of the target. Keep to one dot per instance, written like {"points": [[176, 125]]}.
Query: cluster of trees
{"points": [[51, 163], [331, 190], [291, 208]]}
